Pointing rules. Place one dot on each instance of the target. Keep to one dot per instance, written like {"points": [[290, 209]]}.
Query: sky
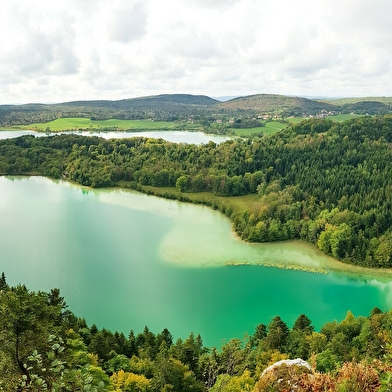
{"points": [[58, 51]]}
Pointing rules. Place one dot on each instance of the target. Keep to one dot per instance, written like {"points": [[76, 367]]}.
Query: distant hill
{"points": [[299, 106], [173, 107], [278, 104], [155, 101], [168, 107], [366, 105], [345, 101]]}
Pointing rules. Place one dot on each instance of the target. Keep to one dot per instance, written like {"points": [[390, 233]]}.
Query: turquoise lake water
{"points": [[124, 260]]}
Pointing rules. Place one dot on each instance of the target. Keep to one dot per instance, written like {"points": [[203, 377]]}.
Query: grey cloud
{"points": [[227, 47], [46, 52], [197, 46], [87, 7], [91, 68], [308, 63], [65, 60], [364, 15], [129, 24], [192, 44], [214, 3]]}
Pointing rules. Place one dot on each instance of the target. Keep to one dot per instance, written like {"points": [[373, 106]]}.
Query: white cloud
{"points": [[35, 48], [103, 49]]}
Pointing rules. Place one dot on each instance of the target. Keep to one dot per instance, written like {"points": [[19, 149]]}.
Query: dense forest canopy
{"points": [[45, 347], [328, 183]]}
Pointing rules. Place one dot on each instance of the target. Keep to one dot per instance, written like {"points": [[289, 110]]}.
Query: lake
{"points": [[170, 136], [124, 260]]}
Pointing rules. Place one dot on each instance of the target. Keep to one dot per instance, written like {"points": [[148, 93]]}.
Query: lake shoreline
{"points": [[329, 265], [105, 246]]}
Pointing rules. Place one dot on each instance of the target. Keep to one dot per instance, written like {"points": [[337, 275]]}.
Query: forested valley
{"points": [[45, 347], [327, 183]]}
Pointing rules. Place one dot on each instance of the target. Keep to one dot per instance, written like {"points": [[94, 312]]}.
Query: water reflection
{"points": [[385, 290]]}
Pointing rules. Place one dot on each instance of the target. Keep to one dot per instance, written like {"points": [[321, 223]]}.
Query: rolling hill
{"points": [[164, 101], [175, 107], [278, 104], [168, 107]]}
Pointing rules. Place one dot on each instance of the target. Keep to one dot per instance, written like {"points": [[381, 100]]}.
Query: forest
{"points": [[327, 183], [45, 347], [166, 107]]}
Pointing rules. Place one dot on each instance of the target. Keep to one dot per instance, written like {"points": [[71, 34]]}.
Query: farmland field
{"points": [[269, 129], [62, 124], [79, 123], [343, 117], [337, 117]]}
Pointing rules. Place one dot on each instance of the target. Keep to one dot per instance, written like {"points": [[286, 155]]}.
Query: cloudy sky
{"points": [[56, 51]]}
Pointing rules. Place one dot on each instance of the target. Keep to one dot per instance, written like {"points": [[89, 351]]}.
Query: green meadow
{"points": [[337, 117], [79, 123], [63, 124], [344, 117], [270, 128], [237, 203]]}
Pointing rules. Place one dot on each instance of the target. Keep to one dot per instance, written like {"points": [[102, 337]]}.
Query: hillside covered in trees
{"points": [[45, 347], [325, 182], [160, 108], [198, 108], [279, 104]]}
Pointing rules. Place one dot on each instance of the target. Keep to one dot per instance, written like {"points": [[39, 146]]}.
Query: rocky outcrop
{"points": [[288, 362], [284, 375]]}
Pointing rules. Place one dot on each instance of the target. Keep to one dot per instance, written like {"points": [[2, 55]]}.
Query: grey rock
{"points": [[287, 362]]}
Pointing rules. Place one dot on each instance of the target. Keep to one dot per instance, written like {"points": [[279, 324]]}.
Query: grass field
{"points": [[251, 202], [274, 127], [338, 117], [270, 128], [238, 203], [344, 117], [295, 120], [62, 124]]}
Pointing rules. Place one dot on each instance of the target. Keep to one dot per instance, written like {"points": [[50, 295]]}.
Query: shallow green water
{"points": [[125, 260]]}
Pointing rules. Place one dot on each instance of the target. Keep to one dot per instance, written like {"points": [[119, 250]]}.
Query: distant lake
{"points": [[124, 260], [171, 136]]}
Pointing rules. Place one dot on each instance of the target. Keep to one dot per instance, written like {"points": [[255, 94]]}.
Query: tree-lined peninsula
{"points": [[318, 180]]}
